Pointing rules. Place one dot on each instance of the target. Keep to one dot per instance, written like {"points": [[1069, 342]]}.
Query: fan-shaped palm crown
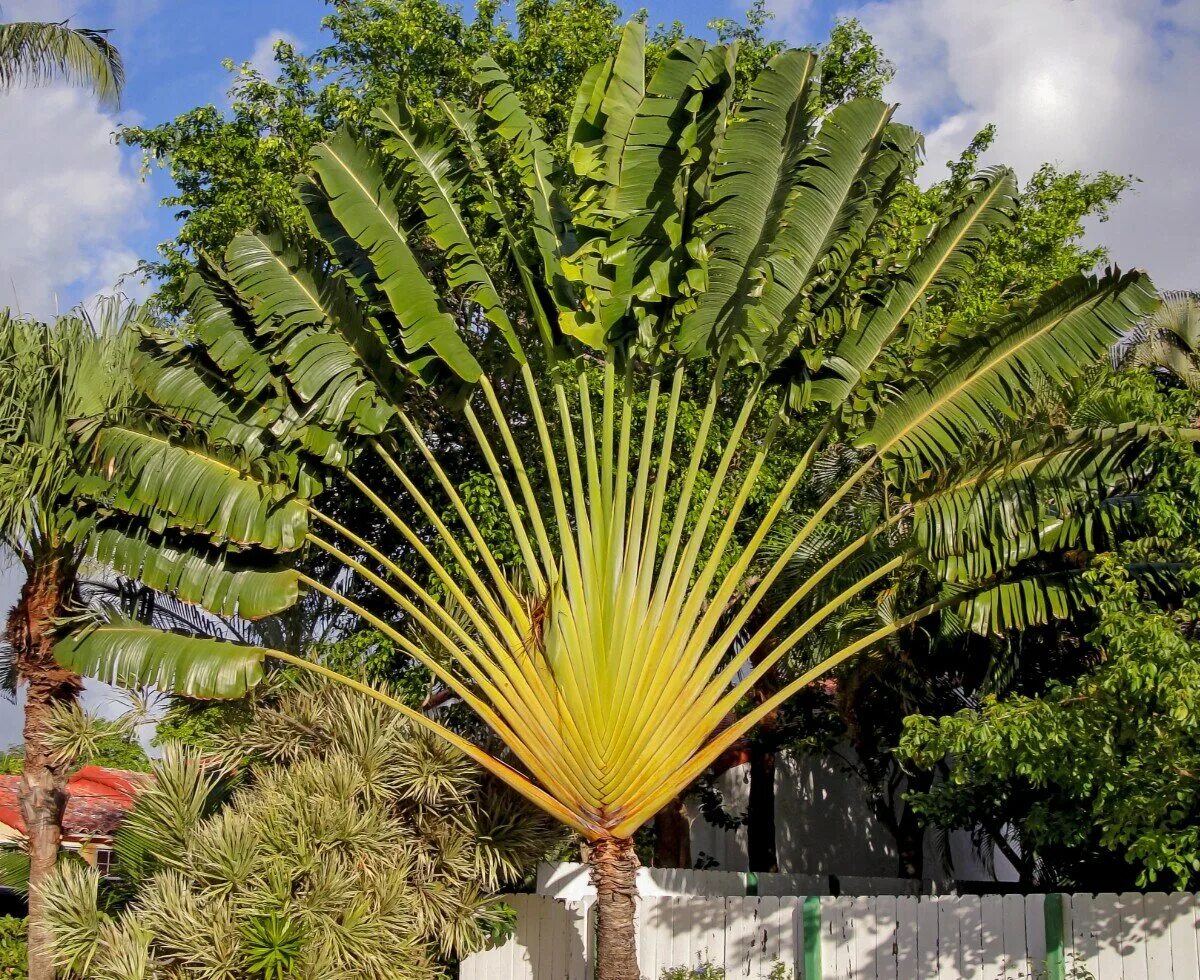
{"points": [[746, 242]]}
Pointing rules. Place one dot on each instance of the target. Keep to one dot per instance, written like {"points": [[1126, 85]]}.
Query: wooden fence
{"points": [[992, 937]]}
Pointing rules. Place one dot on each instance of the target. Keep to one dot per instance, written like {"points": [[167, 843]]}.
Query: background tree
{"points": [[325, 836], [925, 671], [57, 382], [235, 168], [35, 53], [931, 671], [1092, 699]]}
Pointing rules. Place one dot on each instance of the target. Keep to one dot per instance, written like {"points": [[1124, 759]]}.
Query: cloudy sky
{"points": [[1088, 84]]}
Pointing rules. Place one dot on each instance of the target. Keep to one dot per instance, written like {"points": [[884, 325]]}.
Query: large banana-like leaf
{"points": [[438, 169], [756, 170], [984, 375], [144, 475], [362, 199], [655, 574], [336, 362], [130, 654], [199, 574]]}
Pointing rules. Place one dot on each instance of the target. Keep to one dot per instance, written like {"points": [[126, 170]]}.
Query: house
{"points": [[99, 800]]}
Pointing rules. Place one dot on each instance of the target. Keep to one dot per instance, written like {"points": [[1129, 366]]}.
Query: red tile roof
{"points": [[99, 800]]}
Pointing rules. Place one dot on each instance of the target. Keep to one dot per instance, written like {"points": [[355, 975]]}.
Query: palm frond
{"points": [[33, 53]]}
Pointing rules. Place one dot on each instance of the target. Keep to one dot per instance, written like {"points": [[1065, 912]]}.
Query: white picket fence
{"points": [[571, 882], [991, 937]]}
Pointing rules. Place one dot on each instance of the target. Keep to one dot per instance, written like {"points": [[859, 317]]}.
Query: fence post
{"points": [[1053, 914], [812, 937]]}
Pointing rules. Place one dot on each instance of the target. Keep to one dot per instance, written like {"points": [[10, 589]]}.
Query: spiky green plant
{"points": [[328, 838], [743, 247]]}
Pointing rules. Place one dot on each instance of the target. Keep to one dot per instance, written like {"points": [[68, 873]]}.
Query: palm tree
{"points": [[741, 247], [1168, 339], [56, 380], [34, 53]]}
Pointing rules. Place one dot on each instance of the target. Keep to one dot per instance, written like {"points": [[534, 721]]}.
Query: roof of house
{"points": [[99, 800]]}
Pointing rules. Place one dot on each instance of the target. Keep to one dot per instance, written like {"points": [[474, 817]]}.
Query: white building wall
{"points": [[824, 824]]}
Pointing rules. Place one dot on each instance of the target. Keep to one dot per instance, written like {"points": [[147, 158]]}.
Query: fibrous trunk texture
{"points": [[614, 873], [31, 628]]}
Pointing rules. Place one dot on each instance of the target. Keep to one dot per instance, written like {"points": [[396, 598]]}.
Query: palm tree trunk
{"points": [[31, 627], [760, 809], [673, 836], [614, 873]]}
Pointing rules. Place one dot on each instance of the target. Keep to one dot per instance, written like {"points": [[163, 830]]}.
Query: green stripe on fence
{"points": [[1053, 913], [812, 937]]}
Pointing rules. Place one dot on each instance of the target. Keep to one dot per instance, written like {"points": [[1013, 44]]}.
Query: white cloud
{"points": [[262, 58], [791, 16], [1087, 84], [69, 198]]}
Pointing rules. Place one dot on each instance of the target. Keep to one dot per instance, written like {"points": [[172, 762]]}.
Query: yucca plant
{"points": [[324, 837], [744, 247]]}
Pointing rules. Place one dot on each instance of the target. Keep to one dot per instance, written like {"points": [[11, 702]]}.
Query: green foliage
{"points": [[1102, 763], [853, 65], [1044, 243], [13, 952], [322, 837], [198, 724], [706, 971], [107, 743], [727, 267]]}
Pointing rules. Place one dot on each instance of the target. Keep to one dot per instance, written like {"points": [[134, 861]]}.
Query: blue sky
{"points": [[1087, 84]]}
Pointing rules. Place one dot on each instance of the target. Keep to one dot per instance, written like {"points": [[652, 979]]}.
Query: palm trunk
{"points": [[673, 836], [31, 626], [614, 873], [760, 809], [764, 742]]}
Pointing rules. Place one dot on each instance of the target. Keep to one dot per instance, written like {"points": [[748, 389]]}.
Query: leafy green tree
{"points": [[35, 53], [14, 953], [232, 170], [57, 381], [929, 671], [1065, 683], [747, 240], [1093, 767], [324, 836]]}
